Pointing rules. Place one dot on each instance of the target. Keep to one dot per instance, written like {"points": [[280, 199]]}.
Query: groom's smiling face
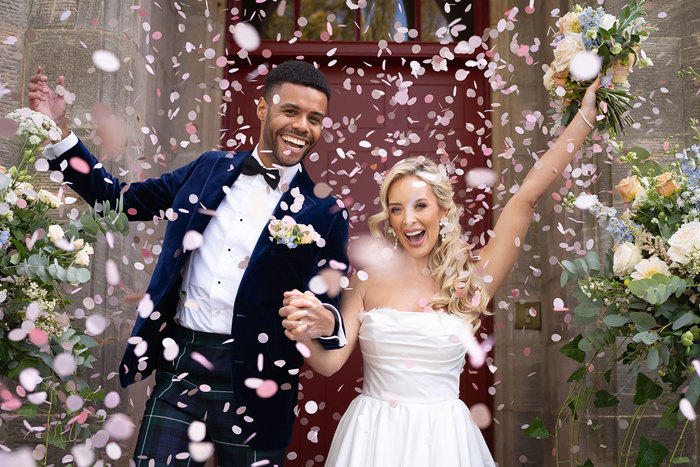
{"points": [[292, 124]]}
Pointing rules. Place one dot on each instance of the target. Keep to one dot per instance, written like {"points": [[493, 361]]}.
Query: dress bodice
{"points": [[412, 356]]}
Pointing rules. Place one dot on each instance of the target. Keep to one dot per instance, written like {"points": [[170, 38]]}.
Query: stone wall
{"points": [[536, 385], [142, 102]]}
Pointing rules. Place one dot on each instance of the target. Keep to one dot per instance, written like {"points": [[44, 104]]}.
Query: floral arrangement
{"points": [[286, 231], [643, 302], [41, 260], [589, 40]]}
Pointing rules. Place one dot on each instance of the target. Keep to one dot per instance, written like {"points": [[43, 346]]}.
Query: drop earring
{"points": [[443, 232], [396, 238]]}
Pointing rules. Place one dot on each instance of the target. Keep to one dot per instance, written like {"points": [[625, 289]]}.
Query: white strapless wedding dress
{"points": [[409, 413]]}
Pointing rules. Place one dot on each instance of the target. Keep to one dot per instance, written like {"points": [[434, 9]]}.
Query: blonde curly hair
{"points": [[460, 289]]}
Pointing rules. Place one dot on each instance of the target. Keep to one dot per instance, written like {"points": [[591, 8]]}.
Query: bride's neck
{"points": [[418, 266]]}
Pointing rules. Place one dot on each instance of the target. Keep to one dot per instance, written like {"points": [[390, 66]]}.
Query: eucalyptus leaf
{"points": [[643, 321], [683, 320], [83, 275], [646, 337], [615, 320], [587, 309], [652, 358]]}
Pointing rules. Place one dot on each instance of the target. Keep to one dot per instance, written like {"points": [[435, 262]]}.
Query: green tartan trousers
{"points": [[185, 392]]}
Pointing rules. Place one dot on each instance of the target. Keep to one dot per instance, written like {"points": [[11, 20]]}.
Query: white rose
{"points": [[11, 197], [24, 186], [82, 258], [565, 51], [607, 21], [684, 241], [640, 199], [78, 244], [648, 267], [627, 256], [55, 233], [48, 198]]}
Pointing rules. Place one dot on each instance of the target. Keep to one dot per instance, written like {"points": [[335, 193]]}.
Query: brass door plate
{"points": [[524, 319]]}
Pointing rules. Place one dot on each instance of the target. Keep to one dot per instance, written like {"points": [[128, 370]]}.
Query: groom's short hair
{"points": [[296, 72]]}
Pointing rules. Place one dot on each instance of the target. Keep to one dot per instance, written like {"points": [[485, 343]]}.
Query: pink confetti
{"points": [[687, 409], [79, 165], [202, 360], [267, 389], [303, 350]]}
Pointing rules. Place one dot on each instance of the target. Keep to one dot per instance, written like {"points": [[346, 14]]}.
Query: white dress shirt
{"points": [[213, 272]]}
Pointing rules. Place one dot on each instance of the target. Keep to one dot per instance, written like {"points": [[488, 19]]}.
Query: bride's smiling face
{"points": [[414, 214]]}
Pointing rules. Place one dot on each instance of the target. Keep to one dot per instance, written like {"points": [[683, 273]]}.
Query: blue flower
{"points": [[590, 19], [607, 80], [688, 161], [4, 237]]}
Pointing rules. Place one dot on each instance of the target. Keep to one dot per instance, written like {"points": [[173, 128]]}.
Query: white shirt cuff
{"points": [[339, 338], [52, 151]]}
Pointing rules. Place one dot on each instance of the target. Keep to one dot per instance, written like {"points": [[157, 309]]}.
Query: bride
{"points": [[413, 332]]}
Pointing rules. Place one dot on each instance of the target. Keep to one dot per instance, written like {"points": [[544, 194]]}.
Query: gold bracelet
{"points": [[585, 119]]}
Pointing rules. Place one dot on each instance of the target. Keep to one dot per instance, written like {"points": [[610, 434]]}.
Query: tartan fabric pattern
{"points": [[186, 391]]}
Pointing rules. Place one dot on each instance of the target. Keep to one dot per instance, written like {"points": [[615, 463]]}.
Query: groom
{"points": [[208, 323]]}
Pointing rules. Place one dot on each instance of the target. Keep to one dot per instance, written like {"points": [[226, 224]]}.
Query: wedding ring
{"points": [[300, 323]]}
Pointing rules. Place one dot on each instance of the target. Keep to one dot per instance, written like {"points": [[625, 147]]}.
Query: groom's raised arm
{"points": [[88, 178]]}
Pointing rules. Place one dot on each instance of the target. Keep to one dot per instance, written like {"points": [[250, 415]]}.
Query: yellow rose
{"points": [[569, 23], [666, 184], [628, 188]]}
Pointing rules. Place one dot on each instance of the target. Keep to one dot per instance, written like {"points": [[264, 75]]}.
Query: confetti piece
{"points": [[585, 66], [686, 408], [246, 36], [105, 61]]}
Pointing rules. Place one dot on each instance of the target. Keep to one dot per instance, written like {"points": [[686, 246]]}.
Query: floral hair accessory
{"points": [[286, 231]]}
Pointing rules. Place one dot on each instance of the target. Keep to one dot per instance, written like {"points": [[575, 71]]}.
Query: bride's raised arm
{"points": [[322, 361], [497, 258]]}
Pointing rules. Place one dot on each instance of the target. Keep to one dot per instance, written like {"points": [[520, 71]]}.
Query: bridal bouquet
{"points": [[643, 303], [41, 260], [590, 40]]}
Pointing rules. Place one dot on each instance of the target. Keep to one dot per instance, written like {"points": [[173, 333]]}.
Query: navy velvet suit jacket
{"points": [[272, 270]]}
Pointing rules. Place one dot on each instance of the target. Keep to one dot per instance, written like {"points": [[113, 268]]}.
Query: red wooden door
{"points": [[372, 126]]}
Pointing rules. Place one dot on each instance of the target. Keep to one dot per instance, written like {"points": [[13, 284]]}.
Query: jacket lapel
{"points": [[224, 172]]}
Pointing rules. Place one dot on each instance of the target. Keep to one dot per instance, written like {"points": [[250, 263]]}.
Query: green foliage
{"points": [[537, 429], [650, 455], [42, 257], [646, 390], [572, 350], [604, 399]]}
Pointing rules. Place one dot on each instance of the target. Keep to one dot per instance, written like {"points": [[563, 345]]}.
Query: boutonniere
{"points": [[286, 231]]}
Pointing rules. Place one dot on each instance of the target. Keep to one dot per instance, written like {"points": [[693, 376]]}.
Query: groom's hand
{"points": [[305, 317], [42, 99]]}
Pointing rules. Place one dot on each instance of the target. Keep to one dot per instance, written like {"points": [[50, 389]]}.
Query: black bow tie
{"points": [[252, 167]]}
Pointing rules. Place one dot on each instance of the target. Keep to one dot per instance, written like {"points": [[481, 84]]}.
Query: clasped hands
{"points": [[305, 317]]}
